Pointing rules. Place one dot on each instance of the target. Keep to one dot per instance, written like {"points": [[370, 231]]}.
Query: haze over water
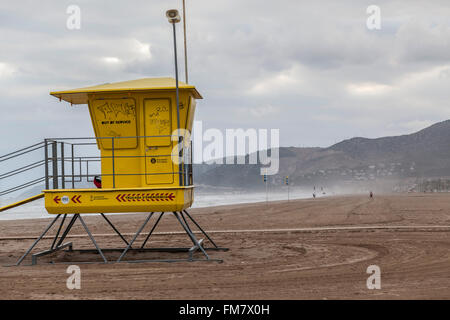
{"points": [[36, 209]]}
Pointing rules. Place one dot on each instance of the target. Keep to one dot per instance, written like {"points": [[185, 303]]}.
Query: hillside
{"points": [[425, 153]]}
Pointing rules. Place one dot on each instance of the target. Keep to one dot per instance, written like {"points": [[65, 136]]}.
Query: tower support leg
{"points": [[135, 237], [115, 229], [204, 233], [57, 243], [68, 228], [151, 231], [92, 239], [191, 235], [57, 233], [37, 240]]}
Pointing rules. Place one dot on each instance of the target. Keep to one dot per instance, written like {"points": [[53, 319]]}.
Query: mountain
{"points": [[422, 154], [427, 150]]}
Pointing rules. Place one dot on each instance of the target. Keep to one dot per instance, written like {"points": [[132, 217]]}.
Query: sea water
{"points": [[36, 209]]}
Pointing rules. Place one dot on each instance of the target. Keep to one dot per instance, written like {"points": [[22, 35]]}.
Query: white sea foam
{"points": [[36, 209]]}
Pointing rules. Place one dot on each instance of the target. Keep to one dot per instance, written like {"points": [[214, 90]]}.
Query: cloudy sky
{"points": [[310, 68]]}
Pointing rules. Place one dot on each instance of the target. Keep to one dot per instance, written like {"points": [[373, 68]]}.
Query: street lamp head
{"points": [[173, 16]]}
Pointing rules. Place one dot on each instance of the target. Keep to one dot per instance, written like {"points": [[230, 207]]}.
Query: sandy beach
{"points": [[301, 249]]}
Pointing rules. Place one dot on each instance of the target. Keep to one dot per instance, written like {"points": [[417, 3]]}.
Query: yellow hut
{"points": [[136, 127]]}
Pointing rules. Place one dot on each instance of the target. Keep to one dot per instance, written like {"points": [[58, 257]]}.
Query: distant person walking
{"points": [[371, 195]]}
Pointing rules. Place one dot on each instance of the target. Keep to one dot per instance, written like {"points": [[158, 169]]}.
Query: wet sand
{"points": [[302, 249]]}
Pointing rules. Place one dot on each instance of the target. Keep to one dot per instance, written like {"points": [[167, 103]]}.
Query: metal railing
{"points": [[18, 163], [65, 164]]}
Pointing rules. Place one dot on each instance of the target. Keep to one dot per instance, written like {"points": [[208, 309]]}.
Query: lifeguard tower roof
{"points": [[80, 96]]}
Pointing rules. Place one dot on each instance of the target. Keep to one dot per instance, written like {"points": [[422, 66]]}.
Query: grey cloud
{"points": [[311, 69]]}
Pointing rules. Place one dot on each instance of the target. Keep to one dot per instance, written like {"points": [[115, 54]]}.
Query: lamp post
{"points": [[185, 44], [174, 17]]}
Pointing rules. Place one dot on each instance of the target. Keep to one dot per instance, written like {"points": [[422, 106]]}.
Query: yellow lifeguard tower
{"points": [[142, 130], [136, 125]]}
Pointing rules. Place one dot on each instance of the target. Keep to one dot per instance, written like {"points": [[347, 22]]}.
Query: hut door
{"points": [[158, 144]]}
